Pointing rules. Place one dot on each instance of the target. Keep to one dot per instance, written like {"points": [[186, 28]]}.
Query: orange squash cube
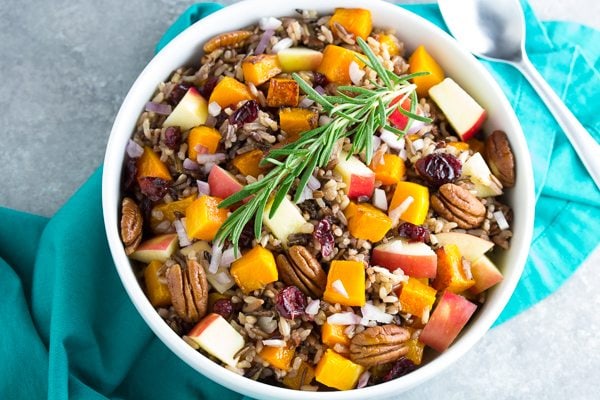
{"points": [[248, 163], [451, 275], [367, 222], [461, 146], [417, 210], [337, 372], [279, 357], [149, 165], [259, 69], [391, 171], [336, 64], [204, 136], [294, 121], [354, 20], [229, 92], [416, 297], [421, 61], [169, 211], [352, 276], [158, 291], [203, 217], [332, 334], [304, 376], [283, 92], [390, 42], [254, 270]]}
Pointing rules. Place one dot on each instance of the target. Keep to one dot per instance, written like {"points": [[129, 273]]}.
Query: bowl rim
{"points": [[111, 191]]}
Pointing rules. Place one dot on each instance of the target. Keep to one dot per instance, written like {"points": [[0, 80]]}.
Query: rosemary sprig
{"points": [[355, 112]]}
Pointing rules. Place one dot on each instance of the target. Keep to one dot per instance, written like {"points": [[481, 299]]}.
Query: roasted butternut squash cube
{"points": [[352, 276], [421, 61], [229, 92], [294, 121], [259, 69], [169, 211], [203, 217], [357, 21], [304, 376], [451, 275], [204, 136], [336, 64], [416, 297], [248, 163], [367, 222], [390, 171], [417, 210], [460, 146], [337, 372], [254, 270], [332, 334], [390, 42], [283, 92], [279, 357], [149, 165], [157, 289]]}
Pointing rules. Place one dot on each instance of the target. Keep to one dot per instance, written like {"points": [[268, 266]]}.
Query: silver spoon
{"points": [[495, 30]]}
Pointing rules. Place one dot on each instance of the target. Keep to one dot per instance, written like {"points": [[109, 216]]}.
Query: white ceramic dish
{"points": [[413, 31]]}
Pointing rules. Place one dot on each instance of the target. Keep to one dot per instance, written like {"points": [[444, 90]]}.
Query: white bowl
{"points": [[413, 31]]}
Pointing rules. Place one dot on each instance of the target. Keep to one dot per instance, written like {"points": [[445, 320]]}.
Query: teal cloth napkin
{"points": [[69, 329]]}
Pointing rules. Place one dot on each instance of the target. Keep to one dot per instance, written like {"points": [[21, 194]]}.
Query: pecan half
{"points": [[227, 39], [379, 345], [457, 204], [499, 156], [300, 268], [189, 290], [131, 225]]}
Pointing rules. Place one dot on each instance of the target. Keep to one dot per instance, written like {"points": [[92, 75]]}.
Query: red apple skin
{"points": [[448, 319], [474, 129], [157, 243], [398, 119], [222, 184], [203, 324], [485, 274], [417, 266], [361, 186]]}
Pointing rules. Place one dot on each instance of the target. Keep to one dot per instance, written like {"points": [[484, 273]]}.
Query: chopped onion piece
{"points": [[363, 379], [190, 164], [214, 108], [320, 89], [373, 313], [274, 343], [306, 102], [402, 154], [376, 144], [203, 188], [415, 126], [228, 257], [501, 220], [184, 239], [215, 259], [313, 307], [392, 140], [313, 183], [264, 41], [418, 144], [223, 278], [284, 43], [210, 158], [158, 108], [307, 194], [134, 150], [338, 286], [380, 200], [267, 23], [207, 167], [356, 74], [344, 318], [201, 149], [397, 212], [324, 120]]}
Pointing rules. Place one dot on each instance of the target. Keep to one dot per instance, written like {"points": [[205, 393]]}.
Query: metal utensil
{"points": [[495, 30]]}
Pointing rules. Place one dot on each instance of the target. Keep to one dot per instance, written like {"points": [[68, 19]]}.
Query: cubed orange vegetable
{"points": [[203, 218], [229, 92], [332, 334], [417, 210], [279, 357], [282, 93], [336, 63], [451, 275], [415, 351], [416, 297], [205, 136], [157, 289], [294, 121], [304, 376], [248, 163], [390, 171], [352, 276], [476, 145], [170, 210], [254, 270], [149, 165], [461, 146], [390, 42], [421, 61], [261, 68], [367, 222], [354, 20], [337, 372]]}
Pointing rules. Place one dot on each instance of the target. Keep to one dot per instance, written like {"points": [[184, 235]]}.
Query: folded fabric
{"points": [[69, 328]]}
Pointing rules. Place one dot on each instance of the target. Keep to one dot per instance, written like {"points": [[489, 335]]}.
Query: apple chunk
{"points": [[478, 172], [217, 337], [449, 318], [415, 259], [463, 112], [470, 247], [191, 111], [287, 220], [485, 273], [222, 184], [359, 179], [296, 59], [159, 248]]}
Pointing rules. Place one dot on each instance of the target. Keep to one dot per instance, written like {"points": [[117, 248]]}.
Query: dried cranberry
{"points": [[400, 368], [320, 80], [177, 93], [129, 173], [324, 236], [173, 137], [154, 188], [414, 232], [290, 302], [223, 307], [248, 112], [439, 168], [208, 86]]}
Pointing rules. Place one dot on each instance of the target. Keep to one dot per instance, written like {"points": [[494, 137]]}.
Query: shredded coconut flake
{"points": [[313, 307], [284, 43], [344, 318], [392, 140], [215, 259], [214, 109], [379, 199], [338, 286], [274, 343], [501, 220], [184, 240], [397, 212], [267, 23], [373, 313]]}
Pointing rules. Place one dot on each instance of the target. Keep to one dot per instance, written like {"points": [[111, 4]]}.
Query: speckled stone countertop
{"points": [[67, 65]]}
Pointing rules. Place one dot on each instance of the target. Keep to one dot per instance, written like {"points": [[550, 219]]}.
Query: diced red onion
{"points": [[266, 23], [228, 257], [501, 220], [214, 108], [306, 102], [376, 144], [313, 307], [344, 318], [274, 343], [362, 199], [380, 200], [373, 313], [215, 259], [392, 140], [324, 120], [158, 108], [307, 194], [134, 150], [402, 154], [338, 286], [313, 183], [207, 167], [363, 379], [210, 158], [264, 41], [397, 212], [203, 188], [320, 89], [418, 144], [415, 126], [283, 44], [190, 164], [201, 149], [184, 239], [356, 74]]}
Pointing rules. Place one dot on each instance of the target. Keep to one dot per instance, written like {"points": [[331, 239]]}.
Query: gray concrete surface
{"points": [[66, 66]]}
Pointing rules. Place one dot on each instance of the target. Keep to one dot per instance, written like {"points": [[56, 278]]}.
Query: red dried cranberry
{"points": [[153, 188], [439, 168], [413, 232], [320, 80], [324, 236], [223, 307], [129, 172], [208, 86], [177, 93], [290, 302], [248, 112], [400, 368], [173, 137]]}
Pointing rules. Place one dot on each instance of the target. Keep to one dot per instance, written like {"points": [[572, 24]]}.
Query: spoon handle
{"points": [[584, 144]]}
